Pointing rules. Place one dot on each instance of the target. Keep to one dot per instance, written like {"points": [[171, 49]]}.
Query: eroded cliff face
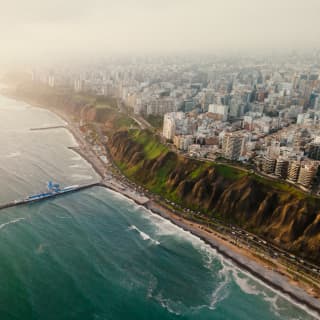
{"points": [[289, 220]]}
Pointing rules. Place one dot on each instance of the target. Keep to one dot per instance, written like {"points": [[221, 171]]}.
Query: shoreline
{"points": [[269, 278], [276, 281]]}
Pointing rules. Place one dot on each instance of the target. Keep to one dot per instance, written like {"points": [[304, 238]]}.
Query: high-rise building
{"points": [[281, 169], [269, 165], [169, 126], [293, 171], [78, 85], [307, 174], [232, 146], [207, 99], [236, 107], [51, 81]]}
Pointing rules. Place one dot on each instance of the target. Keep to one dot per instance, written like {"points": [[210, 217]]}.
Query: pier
{"points": [[49, 128], [112, 185], [21, 202]]}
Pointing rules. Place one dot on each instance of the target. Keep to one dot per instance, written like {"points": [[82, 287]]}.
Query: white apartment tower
{"points": [[169, 126], [232, 146]]}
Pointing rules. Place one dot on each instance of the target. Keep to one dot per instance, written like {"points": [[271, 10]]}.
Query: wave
{"points": [[153, 283], [229, 270], [274, 299], [221, 291], [177, 308], [143, 235], [244, 285], [10, 222]]}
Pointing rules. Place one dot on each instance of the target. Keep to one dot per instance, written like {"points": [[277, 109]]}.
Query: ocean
{"points": [[95, 254]]}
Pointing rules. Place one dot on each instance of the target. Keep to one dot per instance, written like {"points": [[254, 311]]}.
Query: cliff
{"points": [[277, 211]]}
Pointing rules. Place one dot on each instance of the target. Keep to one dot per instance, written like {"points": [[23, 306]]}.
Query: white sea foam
{"points": [[152, 286], [272, 301], [244, 285], [221, 291], [177, 308], [143, 235], [10, 222]]}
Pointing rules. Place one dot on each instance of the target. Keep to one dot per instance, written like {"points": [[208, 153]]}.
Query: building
{"points": [[307, 174], [169, 126], [274, 149], [293, 171], [247, 123], [269, 165], [236, 107], [160, 106], [51, 81], [183, 142], [220, 111], [78, 85], [281, 168], [208, 99], [232, 146], [314, 151]]}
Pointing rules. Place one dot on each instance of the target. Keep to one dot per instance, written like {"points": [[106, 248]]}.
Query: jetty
{"points": [[25, 201], [49, 128]]}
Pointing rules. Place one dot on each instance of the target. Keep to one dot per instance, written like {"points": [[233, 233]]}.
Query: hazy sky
{"points": [[42, 28]]}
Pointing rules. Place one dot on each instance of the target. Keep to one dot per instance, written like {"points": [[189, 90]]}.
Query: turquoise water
{"points": [[96, 255]]}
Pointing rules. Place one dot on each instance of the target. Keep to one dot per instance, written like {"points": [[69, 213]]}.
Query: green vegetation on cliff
{"points": [[275, 210], [151, 145]]}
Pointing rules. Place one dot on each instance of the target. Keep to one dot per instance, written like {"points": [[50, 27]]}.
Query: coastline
{"points": [[238, 256]]}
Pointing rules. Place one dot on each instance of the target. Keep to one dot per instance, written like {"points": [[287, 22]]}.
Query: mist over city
{"points": [[48, 30]]}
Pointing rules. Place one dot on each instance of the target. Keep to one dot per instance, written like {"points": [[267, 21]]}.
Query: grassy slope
{"points": [[153, 149]]}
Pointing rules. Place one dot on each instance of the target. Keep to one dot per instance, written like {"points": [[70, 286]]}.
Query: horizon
{"points": [[45, 31]]}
